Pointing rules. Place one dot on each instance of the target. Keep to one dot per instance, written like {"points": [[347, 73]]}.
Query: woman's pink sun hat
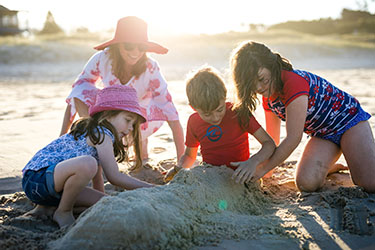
{"points": [[132, 29], [117, 97]]}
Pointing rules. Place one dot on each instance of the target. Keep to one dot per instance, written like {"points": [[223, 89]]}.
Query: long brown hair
{"points": [[118, 63], [246, 61], [93, 128]]}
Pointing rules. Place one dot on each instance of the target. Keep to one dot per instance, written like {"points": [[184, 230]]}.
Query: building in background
{"points": [[9, 24]]}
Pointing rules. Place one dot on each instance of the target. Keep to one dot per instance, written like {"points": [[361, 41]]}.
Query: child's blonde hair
{"points": [[205, 89]]}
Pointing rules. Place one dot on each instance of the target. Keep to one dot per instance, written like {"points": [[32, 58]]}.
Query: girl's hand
{"points": [[245, 171], [171, 173]]}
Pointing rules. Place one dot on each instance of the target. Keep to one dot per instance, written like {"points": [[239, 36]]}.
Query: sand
{"points": [[201, 208]]}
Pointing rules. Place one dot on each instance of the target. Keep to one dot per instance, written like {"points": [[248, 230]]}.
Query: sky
{"points": [[179, 16]]}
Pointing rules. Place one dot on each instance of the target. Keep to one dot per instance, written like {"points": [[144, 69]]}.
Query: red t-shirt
{"points": [[223, 143], [294, 86]]}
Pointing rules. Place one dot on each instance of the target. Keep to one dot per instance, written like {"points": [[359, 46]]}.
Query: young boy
{"points": [[215, 127]]}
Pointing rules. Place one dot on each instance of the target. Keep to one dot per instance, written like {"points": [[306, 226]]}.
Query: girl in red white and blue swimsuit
{"points": [[333, 119]]}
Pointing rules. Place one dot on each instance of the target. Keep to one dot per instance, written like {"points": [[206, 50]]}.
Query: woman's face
{"points": [[131, 52], [264, 83]]}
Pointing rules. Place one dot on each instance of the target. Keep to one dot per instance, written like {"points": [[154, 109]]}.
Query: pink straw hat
{"points": [[117, 97], [132, 29]]}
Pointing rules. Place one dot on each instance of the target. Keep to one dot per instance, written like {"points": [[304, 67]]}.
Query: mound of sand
{"points": [[200, 206]]}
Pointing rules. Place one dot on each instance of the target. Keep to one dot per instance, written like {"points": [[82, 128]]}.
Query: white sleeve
{"points": [[84, 87]]}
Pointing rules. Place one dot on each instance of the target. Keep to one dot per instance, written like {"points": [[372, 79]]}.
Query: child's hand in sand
{"points": [[244, 172], [171, 173]]}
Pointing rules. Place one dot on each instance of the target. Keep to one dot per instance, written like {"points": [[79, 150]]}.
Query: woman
{"points": [[123, 60]]}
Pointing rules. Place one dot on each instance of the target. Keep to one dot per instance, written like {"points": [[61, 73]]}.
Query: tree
{"points": [[50, 26]]}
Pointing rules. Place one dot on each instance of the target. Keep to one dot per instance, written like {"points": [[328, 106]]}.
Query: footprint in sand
{"points": [[158, 150]]}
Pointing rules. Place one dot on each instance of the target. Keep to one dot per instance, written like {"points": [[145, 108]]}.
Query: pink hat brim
{"points": [[151, 46], [95, 109]]}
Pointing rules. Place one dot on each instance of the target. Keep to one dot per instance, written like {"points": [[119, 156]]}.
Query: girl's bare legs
{"points": [[358, 147], [48, 211], [317, 160], [337, 167], [71, 177], [41, 211]]}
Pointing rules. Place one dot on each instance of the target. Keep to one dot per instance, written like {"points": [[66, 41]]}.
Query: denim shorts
{"points": [[336, 138], [39, 186]]}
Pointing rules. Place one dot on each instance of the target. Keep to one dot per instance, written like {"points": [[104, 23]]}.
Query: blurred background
{"points": [[50, 41]]}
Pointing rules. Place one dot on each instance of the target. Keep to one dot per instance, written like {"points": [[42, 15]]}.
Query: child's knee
{"points": [[306, 184], [368, 184], [89, 166]]}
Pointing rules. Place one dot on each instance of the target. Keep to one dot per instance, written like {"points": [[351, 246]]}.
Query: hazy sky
{"points": [[175, 16]]}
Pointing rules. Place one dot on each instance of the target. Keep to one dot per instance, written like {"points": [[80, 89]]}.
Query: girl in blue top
{"points": [[58, 174], [307, 103]]}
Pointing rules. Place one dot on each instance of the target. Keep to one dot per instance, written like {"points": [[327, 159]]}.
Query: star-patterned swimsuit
{"points": [[330, 112]]}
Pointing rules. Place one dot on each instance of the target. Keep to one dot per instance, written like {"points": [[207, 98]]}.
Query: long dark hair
{"points": [[89, 126], [246, 61], [118, 63]]}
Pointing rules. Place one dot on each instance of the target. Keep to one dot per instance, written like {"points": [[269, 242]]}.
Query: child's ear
{"points": [[192, 107]]}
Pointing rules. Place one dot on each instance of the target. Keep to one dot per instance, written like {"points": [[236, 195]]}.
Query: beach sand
{"points": [[201, 208]]}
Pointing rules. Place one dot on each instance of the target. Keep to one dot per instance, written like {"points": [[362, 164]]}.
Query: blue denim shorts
{"points": [[39, 186], [336, 138]]}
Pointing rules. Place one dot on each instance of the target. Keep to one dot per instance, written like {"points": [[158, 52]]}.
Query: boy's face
{"points": [[215, 116]]}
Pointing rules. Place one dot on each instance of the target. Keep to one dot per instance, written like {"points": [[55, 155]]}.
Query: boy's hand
{"points": [[245, 171], [171, 173]]}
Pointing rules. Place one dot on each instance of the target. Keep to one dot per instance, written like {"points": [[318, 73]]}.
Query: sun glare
{"points": [[171, 16]]}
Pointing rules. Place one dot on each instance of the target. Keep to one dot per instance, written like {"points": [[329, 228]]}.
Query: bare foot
{"points": [[41, 211], [337, 167], [63, 218]]}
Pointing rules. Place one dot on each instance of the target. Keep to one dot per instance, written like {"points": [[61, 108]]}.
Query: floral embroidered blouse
{"points": [[153, 95]]}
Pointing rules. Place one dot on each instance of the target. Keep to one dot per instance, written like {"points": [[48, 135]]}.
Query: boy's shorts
{"points": [[39, 186]]}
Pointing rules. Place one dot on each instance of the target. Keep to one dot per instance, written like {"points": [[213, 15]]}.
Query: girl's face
{"points": [[131, 52], [123, 122], [264, 83]]}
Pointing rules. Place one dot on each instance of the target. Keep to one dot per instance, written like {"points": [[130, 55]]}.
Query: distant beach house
{"points": [[8, 22]]}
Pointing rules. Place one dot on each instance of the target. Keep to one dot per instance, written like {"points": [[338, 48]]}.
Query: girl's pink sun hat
{"points": [[117, 97], [132, 29]]}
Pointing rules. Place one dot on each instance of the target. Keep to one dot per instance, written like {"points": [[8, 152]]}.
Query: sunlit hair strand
{"points": [[246, 61]]}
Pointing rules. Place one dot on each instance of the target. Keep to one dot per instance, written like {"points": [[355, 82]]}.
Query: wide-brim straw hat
{"points": [[132, 29], [117, 97]]}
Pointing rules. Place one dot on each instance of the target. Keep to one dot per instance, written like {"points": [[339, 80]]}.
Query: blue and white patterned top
{"points": [[330, 109], [63, 148]]}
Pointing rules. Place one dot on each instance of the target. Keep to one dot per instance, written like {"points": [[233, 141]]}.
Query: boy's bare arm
{"points": [[187, 160]]}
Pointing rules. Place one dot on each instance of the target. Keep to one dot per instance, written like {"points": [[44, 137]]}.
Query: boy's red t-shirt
{"points": [[223, 143]]}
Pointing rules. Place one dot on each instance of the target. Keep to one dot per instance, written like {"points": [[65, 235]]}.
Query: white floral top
{"points": [[153, 95], [63, 148]]}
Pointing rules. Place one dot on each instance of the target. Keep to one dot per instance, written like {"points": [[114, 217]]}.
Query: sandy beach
{"points": [[201, 208]]}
